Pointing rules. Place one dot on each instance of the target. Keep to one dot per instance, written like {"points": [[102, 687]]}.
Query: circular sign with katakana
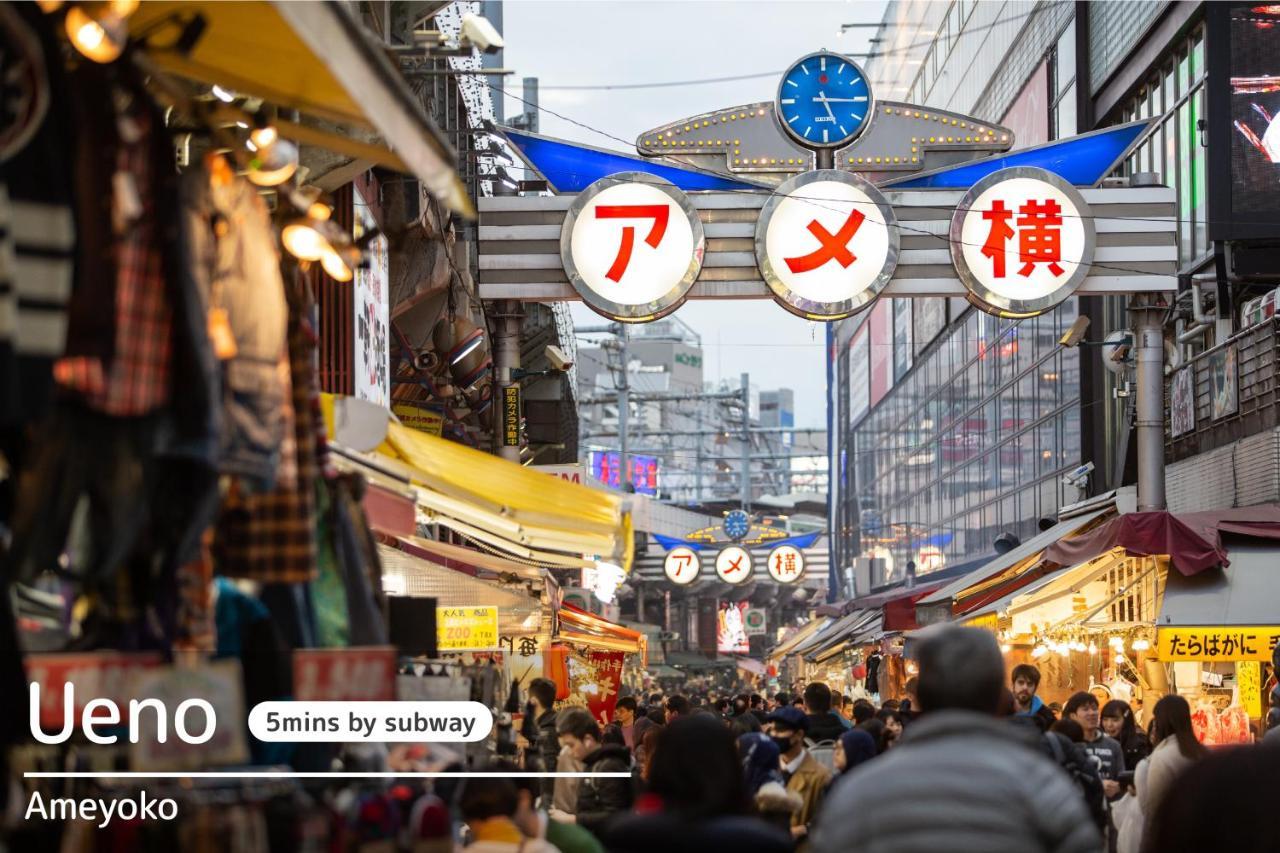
{"points": [[733, 564], [786, 564], [682, 565], [1022, 241], [826, 244], [632, 245]]}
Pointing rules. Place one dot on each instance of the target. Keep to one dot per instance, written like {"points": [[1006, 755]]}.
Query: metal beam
{"points": [[752, 430]]}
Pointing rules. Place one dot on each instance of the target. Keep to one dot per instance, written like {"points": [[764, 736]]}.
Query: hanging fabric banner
{"points": [[594, 679]]}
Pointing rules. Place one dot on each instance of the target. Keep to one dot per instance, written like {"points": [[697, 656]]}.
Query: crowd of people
{"points": [[968, 762]]}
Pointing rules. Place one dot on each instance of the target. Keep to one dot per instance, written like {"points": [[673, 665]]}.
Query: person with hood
{"points": [[1026, 681], [696, 801], [961, 780], [599, 798], [760, 763], [854, 748]]}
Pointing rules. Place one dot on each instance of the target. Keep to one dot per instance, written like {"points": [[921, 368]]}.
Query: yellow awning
{"points": [[314, 58], [508, 500]]}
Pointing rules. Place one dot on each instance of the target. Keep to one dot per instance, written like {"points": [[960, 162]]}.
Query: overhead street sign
{"points": [[1135, 226]]}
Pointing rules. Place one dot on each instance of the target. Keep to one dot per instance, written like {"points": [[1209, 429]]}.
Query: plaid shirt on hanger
{"points": [[139, 379]]}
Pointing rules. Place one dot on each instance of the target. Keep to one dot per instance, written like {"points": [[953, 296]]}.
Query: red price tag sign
{"points": [[96, 675], [344, 675]]}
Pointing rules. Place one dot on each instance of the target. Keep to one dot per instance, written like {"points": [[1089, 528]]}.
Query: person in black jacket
{"points": [[599, 798], [824, 726], [545, 748]]}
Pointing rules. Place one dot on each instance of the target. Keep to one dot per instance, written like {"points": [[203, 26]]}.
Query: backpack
{"points": [[823, 752], [1086, 778]]}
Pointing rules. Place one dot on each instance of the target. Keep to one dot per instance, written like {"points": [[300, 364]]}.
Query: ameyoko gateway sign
{"points": [[827, 243]]}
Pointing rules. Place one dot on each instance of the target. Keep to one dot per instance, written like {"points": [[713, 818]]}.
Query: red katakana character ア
{"points": [[659, 213], [1040, 236]]}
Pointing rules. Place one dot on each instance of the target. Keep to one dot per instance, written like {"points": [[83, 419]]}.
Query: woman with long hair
{"points": [[1118, 722], [696, 800], [894, 723], [1176, 749]]}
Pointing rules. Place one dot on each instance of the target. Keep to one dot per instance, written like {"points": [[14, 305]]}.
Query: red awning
{"points": [[1192, 540], [579, 626]]}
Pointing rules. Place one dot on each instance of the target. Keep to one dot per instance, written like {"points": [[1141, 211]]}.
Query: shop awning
{"points": [[994, 579], [1192, 540], [315, 58], [840, 632], [866, 630], [579, 626], [658, 670], [457, 557], [1248, 593], [803, 633], [508, 506], [754, 667], [519, 614], [1044, 593]]}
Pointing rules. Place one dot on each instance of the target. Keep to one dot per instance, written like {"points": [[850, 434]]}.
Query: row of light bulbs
{"points": [[1064, 648]]}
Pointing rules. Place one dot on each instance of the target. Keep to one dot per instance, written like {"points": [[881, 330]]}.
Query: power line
{"points": [[665, 84]]}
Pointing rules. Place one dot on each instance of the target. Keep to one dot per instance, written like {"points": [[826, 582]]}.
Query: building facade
{"points": [[950, 427]]}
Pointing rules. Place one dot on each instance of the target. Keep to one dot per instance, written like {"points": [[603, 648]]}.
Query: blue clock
{"points": [[737, 524], [824, 100]]}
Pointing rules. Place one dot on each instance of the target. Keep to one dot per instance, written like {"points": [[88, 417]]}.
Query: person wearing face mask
{"points": [[802, 773]]}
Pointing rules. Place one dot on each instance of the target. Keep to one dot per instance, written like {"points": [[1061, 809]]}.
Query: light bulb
{"points": [[1039, 652], [1093, 648], [1005, 648], [336, 265], [303, 241], [100, 38], [1141, 645]]}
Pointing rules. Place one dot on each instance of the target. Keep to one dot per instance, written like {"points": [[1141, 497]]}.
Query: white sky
{"points": [[599, 42]]}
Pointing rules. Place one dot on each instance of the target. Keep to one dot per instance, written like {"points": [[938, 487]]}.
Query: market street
{"points": [[534, 426]]}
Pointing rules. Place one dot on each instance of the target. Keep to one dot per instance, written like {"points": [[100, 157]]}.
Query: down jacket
{"points": [[601, 799], [961, 782]]}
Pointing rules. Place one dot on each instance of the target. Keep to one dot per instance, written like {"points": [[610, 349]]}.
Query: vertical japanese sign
{"points": [[370, 309], [632, 246], [1022, 241], [826, 244], [594, 679], [1249, 683], [511, 416]]}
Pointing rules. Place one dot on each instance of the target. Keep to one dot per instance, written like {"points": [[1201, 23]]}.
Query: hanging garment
{"points": [[234, 267], [361, 567], [137, 380], [271, 537], [37, 250]]}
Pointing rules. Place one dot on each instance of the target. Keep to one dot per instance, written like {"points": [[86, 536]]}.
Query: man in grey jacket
{"points": [[959, 780]]}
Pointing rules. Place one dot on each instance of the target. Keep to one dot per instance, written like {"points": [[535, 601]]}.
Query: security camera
{"points": [[1075, 334], [477, 30], [558, 359], [1079, 477]]}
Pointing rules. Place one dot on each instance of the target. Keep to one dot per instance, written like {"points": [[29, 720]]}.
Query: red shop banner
{"points": [[361, 674], [594, 679]]}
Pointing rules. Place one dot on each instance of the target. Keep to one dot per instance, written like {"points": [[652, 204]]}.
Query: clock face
{"points": [[737, 524], [824, 100]]}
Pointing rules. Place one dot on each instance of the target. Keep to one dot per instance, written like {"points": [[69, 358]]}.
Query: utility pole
{"points": [[624, 409], [1149, 338], [746, 442]]}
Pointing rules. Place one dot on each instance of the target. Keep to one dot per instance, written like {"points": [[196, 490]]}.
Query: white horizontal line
{"points": [[270, 774]]}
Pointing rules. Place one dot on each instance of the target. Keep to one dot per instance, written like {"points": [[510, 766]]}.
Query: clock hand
{"points": [[858, 100], [822, 99]]}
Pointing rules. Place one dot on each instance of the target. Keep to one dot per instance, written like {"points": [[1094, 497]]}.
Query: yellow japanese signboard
{"points": [[1249, 680], [466, 629], [416, 417], [511, 416], [1234, 643]]}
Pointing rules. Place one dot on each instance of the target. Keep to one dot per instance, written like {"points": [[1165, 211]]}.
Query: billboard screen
{"points": [[1244, 120], [731, 630], [606, 467]]}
